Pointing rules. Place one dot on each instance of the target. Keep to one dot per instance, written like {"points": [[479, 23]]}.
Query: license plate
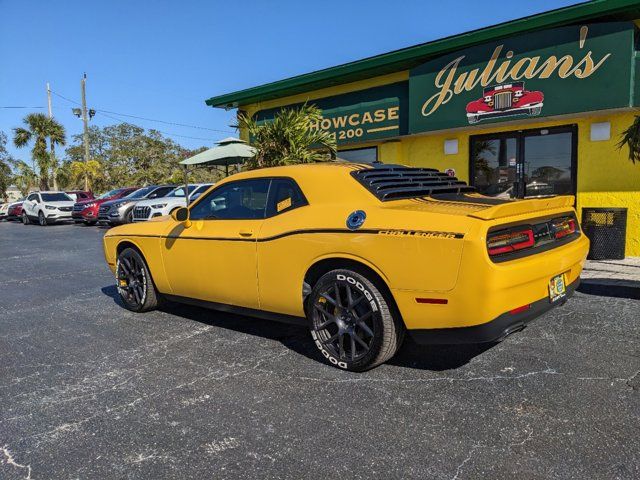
{"points": [[557, 288]]}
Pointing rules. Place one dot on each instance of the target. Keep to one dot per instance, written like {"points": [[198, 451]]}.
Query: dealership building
{"points": [[534, 106]]}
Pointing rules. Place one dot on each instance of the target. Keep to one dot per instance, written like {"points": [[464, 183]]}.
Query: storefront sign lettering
{"points": [[450, 82], [552, 72], [356, 125], [366, 115]]}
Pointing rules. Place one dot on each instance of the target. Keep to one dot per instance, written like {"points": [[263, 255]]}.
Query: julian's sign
{"points": [[553, 72]]}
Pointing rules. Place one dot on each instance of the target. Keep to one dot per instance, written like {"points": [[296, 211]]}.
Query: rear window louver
{"points": [[394, 182]]}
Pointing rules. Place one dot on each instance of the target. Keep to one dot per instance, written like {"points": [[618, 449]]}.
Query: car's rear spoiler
{"points": [[522, 207]]}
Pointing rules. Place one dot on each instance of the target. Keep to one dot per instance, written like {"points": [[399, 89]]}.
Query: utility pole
{"points": [[54, 163], [85, 135]]}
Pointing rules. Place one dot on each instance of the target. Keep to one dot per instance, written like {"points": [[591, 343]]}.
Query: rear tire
{"points": [[134, 282], [351, 321]]}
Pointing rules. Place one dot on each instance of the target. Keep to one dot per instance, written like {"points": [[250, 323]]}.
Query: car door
{"points": [[30, 204], [283, 251], [214, 259]]}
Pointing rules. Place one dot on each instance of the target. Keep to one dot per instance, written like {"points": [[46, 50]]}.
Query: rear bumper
{"points": [[485, 290], [493, 331]]}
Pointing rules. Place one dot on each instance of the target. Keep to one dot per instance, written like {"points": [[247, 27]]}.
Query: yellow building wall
{"points": [[606, 176]]}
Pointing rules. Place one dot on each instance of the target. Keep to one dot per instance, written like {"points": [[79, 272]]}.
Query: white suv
{"points": [[156, 207], [46, 207]]}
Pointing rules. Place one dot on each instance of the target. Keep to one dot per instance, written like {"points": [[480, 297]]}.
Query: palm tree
{"points": [[25, 178], [39, 128], [288, 138], [6, 177], [631, 138], [89, 172]]}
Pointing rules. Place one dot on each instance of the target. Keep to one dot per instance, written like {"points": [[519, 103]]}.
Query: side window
{"points": [[32, 197], [285, 195], [198, 191], [241, 200]]}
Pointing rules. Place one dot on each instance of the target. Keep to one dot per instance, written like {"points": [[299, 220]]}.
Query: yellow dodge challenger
{"points": [[362, 254]]}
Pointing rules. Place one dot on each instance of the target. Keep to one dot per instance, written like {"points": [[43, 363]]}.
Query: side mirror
{"points": [[181, 215]]}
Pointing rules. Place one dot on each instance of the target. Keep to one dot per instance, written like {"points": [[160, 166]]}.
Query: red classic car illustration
{"points": [[503, 101]]}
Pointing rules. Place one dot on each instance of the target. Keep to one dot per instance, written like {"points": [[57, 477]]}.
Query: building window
{"points": [[527, 163], [359, 155]]}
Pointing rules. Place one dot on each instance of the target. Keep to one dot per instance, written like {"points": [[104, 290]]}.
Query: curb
{"points": [[610, 288]]}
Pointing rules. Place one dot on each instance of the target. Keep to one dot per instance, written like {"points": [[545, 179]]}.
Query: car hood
{"points": [[167, 200], [61, 203], [119, 200], [96, 201]]}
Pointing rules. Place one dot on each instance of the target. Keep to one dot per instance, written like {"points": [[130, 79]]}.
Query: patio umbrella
{"points": [[230, 151]]}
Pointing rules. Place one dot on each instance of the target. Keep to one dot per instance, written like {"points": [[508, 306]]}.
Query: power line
{"points": [[65, 98], [22, 107], [167, 123], [166, 133], [104, 112]]}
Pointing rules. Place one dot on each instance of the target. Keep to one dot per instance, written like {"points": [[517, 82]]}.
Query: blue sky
{"points": [[162, 59]]}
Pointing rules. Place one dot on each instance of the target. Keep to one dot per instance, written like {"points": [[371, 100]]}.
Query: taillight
{"points": [[563, 227], [510, 241]]}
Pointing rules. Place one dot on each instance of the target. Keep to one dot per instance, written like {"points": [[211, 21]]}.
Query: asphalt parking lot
{"points": [[90, 390]]}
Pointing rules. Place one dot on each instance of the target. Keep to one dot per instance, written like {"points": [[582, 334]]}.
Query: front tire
{"points": [[135, 286], [25, 219], [42, 221], [351, 321]]}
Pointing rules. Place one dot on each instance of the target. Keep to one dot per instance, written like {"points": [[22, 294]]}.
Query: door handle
{"points": [[246, 233]]}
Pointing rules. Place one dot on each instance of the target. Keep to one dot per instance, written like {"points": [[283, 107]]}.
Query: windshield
{"points": [[141, 192], [179, 192], [55, 197], [109, 194]]}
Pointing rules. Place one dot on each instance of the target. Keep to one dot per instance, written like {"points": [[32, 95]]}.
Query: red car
{"points": [[87, 211], [15, 211], [504, 101]]}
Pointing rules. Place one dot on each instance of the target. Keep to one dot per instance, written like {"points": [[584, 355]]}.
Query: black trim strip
{"points": [[386, 232], [250, 312]]}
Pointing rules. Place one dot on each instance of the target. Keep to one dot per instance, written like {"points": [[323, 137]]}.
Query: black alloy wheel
{"points": [[42, 220], [135, 286], [351, 321]]}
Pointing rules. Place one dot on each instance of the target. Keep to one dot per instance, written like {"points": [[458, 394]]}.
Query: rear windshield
{"points": [[55, 197], [395, 182]]}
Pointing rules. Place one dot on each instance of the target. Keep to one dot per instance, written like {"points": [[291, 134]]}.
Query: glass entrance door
{"points": [[528, 163]]}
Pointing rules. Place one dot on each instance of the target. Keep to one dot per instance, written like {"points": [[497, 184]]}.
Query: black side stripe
{"points": [[400, 233]]}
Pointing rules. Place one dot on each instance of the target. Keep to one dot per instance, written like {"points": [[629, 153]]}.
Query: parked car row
{"points": [[122, 205]]}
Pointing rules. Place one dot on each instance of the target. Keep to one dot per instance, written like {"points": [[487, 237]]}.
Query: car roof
{"points": [[313, 179], [46, 191]]}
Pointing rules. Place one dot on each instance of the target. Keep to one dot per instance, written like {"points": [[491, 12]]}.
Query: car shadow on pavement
{"points": [[298, 339]]}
